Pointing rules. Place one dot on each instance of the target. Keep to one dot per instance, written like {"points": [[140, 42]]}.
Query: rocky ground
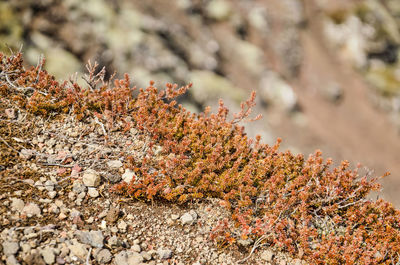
{"points": [[326, 72], [56, 206]]}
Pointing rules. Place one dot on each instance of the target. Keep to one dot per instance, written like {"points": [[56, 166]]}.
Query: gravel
{"points": [[65, 214]]}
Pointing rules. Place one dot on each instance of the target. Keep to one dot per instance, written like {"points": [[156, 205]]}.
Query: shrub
{"points": [[302, 206]]}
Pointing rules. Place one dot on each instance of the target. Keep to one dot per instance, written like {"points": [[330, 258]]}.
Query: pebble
{"points": [[93, 238], [31, 209], [103, 256], [112, 215], [121, 258], [49, 185], [113, 241], [114, 164], [93, 192], [17, 204], [48, 255], [78, 187], [187, 218], [52, 194], [79, 250], [11, 260], [128, 175], [267, 255], [164, 253], [39, 185], [91, 178], [134, 258], [10, 248], [122, 226], [136, 248]]}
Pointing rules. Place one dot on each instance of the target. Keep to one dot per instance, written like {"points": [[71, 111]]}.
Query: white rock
{"points": [[128, 175], [79, 250], [31, 209], [134, 258], [93, 192], [10, 248], [121, 258], [267, 255], [91, 178], [219, 9], [136, 248], [122, 226], [52, 194], [17, 204], [115, 164], [48, 255], [93, 238], [103, 256], [11, 260], [164, 253], [49, 185], [187, 218]]}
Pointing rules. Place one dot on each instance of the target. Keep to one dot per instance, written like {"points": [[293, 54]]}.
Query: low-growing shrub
{"points": [[300, 205]]}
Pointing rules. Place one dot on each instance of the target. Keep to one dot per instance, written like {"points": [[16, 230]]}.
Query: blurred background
{"points": [[327, 73]]}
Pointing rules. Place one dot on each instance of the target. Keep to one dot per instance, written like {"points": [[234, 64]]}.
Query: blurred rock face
{"points": [[228, 48]]}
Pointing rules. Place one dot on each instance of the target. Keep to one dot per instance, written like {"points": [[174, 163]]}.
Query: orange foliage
{"points": [[302, 206]]}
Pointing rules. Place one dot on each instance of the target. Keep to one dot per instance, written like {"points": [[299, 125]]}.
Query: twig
{"points": [[9, 145], [88, 256], [256, 245], [101, 124], [56, 165]]}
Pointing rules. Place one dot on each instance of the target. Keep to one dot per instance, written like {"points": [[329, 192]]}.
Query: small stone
{"points": [[113, 241], [103, 225], [146, 255], [11, 114], [114, 178], [134, 258], [11, 260], [115, 164], [91, 178], [10, 248], [17, 204], [187, 218], [39, 185], [31, 209], [193, 214], [48, 255], [61, 260], [218, 9], [164, 253], [121, 258], [174, 216], [93, 192], [49, 185], [25, 247], [71, 195], [52, 194], [78, 187], [79, 250], [26, 153], [62, 216], [93, 238], [136, 248], [128, 175], [122, 226], [112, 215], [267, 255], [103, 256], [59, 203]]}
